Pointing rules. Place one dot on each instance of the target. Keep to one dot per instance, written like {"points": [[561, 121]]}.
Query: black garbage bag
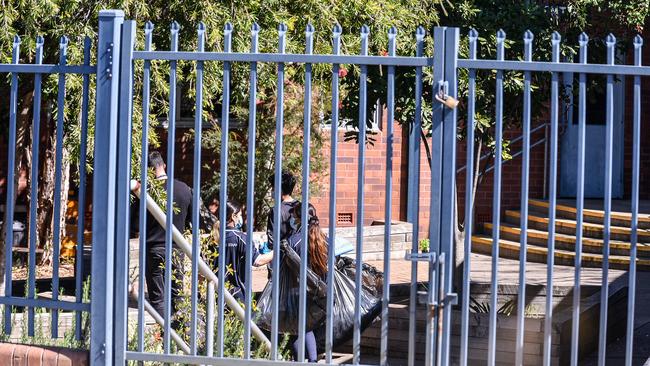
{"points": [[344, 301], [289, 297], [371, 278]]}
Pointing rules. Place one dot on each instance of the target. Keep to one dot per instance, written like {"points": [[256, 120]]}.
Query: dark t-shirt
{"points": [[181, 217], [236, 243], [285, 228]]}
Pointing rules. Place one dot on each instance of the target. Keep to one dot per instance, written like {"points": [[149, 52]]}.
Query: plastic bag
{"points": [[289, 297], [371, 278], [344, 301]]}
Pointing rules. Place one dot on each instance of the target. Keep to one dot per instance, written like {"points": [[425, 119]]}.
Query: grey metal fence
{"points": [[22, 76], [112, 187]]}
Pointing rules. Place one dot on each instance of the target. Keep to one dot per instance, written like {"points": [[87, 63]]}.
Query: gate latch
{"points": [[443, 95], [437, 263]]}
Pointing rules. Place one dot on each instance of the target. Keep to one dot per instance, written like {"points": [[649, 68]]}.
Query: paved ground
{"points": [[536, 275], [400, 273]]}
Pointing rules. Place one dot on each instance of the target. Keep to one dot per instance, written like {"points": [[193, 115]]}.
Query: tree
{"points": [[77, 20]]}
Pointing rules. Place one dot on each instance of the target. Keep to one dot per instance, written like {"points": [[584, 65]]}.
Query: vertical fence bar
{"points": [[356, 336], [123, 198], [390, 103], [223, 191], [414, 191], [171, 142], [521, 297], [196, 192], [436, 184], [302, 305], [33, 189], [277, 198], [146, 81], [496, 202], [636, 147], [448, 222], [209, 320], [250, 190], [104, 184], [81, 218], [56, 237], [609, 133], [469, 183], [552, 198], [11, 162], [329, 326], [582, 113]]}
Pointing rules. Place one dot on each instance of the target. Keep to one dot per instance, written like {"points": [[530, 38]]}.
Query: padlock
{"points": [[443, 97], [447, 100]]}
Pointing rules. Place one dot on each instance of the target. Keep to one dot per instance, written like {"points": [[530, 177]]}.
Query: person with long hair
{"points": [[316, 260]]}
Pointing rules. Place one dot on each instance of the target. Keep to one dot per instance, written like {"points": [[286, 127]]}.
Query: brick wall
{"points": [[375, 181]]}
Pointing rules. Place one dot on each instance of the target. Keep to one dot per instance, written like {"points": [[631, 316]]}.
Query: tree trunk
{"points": [[46, 200]]}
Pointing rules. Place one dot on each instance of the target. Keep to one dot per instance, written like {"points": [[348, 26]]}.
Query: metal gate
{"points": [[113, 187], [112, 46]]}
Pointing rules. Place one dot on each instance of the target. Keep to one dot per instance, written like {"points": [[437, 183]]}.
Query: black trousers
{"points": [[155, 277]]}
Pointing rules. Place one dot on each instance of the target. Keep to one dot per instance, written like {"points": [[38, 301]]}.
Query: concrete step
{"points": [[567, 242], [623, 219], [510, 249], [568, 226]]}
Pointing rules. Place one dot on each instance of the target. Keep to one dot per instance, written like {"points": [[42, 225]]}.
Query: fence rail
{"points": [[114, 77]]}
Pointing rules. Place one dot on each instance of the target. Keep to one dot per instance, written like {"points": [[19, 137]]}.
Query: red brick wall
{"points": [[375, 181], [510, 177]]}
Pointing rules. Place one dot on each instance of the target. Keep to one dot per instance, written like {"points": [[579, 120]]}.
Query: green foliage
{"points": [[424, 245]]}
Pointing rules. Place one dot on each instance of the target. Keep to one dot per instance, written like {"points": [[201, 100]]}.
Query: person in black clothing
{"points": [[236, 245], [288, 203], [316, 260], [155, 234]]}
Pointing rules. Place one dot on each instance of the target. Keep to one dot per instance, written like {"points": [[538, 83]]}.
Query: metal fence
{"points": [[23, 73], [112, 188]]}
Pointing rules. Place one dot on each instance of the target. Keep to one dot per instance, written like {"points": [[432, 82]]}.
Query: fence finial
{"points": [[610, 40], [201, 27], [528, 36], [583, 39], [365, 30], [556, 37], [638, 41], [228, 27], [282, 28], [148, 26], [17, 40], [420, 33], [175, 27], [501, 35], [39, 41], [309, 28], [473, 34], [337, 29], [255, 28]]}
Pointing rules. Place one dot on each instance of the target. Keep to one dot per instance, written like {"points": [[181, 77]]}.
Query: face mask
{"points": [[239, 224]]}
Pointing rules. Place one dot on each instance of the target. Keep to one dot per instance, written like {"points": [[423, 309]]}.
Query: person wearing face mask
{"points": [[236, 245]]}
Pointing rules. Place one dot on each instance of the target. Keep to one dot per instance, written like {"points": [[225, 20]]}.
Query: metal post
{"points": [[448, 208], [123, 190], [436, 169], [104, 179]]}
